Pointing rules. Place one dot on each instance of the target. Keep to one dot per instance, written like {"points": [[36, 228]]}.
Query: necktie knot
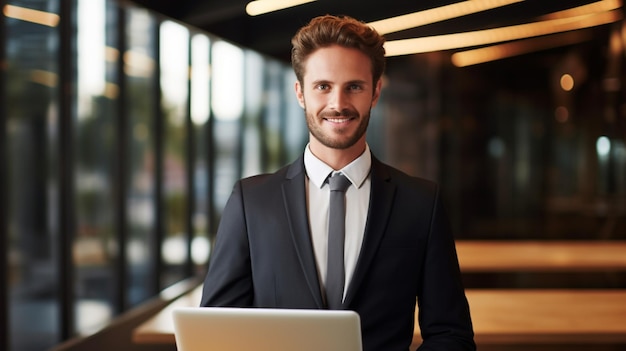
{"points": [[338, 182]]}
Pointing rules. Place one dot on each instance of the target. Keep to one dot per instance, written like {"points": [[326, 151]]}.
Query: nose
{"points": [[339, 100]]}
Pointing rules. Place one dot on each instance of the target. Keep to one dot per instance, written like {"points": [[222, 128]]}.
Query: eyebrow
{"points": [[358, 81], [326, 81]]}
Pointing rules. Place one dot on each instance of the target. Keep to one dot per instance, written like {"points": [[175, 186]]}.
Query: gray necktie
{"points": [[335, 271]]}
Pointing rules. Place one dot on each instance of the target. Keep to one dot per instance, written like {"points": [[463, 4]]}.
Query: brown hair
{"points": [[344, 31]]}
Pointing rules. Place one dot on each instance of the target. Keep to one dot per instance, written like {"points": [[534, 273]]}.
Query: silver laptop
{"points": [[235, 329]]}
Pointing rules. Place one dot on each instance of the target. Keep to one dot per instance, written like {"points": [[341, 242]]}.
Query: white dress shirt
{"points": [[357, 204]]}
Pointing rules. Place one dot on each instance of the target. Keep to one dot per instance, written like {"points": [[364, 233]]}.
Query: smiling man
{"points": [[276, 248]]}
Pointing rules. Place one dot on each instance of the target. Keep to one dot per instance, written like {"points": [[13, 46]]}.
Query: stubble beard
{"points": [[331, 141]]}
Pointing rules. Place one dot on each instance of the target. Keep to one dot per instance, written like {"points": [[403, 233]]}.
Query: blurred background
{"points": [[124, 125]]}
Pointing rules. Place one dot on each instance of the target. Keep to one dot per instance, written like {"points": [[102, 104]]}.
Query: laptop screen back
{"points": [[234, 329]]}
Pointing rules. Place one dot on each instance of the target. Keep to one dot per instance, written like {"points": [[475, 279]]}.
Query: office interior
{"points": [[124, 125]]}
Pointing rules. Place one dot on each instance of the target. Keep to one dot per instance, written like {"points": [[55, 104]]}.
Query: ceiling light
{"points": [[491, 36], [497, 52], [598, 6], [259, 7], [567, 82], [416, 19]]}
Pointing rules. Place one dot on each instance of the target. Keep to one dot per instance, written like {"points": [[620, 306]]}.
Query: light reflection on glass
{"points": [[227, 103], [174, 48], [140, 69], [31, 15], [227, 91], [603, 146], [91, 60], [200, 250], [200, 114], [255, 95], [200, 75], [174, 250], [94, 247], [174, 69]]}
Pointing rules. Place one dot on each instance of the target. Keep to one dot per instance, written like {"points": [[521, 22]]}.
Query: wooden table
{"points": [[547, 316], [160, 328], [541, 256], [499, 317]]}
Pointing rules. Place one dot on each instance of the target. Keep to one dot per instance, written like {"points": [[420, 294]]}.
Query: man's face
{"points": [[337, 94]]}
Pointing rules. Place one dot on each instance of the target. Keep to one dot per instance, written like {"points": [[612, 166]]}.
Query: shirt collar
{"points": [[357, 171]]}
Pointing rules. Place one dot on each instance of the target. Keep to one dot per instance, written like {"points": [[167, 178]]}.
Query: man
{"points": [[271, 248]]}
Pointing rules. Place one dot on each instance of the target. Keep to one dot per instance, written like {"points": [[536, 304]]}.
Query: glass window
{"points": [[296, 131], [94, 247], [252, 157], [200, 114], [207, 97], [32, 137], [273, 117], [140, 71], [174, 54], [227, 105]]}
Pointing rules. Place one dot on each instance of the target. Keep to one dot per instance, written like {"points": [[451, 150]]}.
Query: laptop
{"points": [[259, 329]]}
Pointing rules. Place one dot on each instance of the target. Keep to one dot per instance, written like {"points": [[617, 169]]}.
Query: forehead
{"points": [[336, 64]]}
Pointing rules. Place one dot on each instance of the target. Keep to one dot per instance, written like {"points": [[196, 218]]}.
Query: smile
{"points": [[339, 119]]}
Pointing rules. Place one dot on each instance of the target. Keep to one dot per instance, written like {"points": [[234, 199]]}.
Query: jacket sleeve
{"points": [[444, 315], [229, 278]]}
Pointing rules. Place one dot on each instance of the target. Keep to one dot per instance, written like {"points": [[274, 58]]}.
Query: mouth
{"points": [[338, 120], [339, 117]]}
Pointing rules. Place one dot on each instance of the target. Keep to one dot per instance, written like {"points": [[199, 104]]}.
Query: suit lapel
{"points": [[294, 196], [381, 199]]}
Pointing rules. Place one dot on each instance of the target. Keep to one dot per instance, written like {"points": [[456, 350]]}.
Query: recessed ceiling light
{"points": [[259, 7]]}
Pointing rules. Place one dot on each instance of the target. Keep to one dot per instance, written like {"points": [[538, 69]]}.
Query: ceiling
{"points": [[271, 33]]}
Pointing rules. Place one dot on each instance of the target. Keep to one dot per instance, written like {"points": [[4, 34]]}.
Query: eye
{"points": [[355, 87], [322, 86]]}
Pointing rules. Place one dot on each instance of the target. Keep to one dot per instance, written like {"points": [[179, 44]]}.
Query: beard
{"points": [[340, 138]]}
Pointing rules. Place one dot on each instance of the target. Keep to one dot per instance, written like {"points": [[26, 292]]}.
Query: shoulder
{"points": [[265, 180], [387, 173]]}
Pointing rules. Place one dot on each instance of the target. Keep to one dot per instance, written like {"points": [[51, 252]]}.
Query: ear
{"points": [[377, 89], [299, 93]]}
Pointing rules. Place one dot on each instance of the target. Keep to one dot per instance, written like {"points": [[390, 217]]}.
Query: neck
{"points": [[336, 158]]}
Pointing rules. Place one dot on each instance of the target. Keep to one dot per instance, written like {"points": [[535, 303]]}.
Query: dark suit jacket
{"points": [[263, 257]]}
